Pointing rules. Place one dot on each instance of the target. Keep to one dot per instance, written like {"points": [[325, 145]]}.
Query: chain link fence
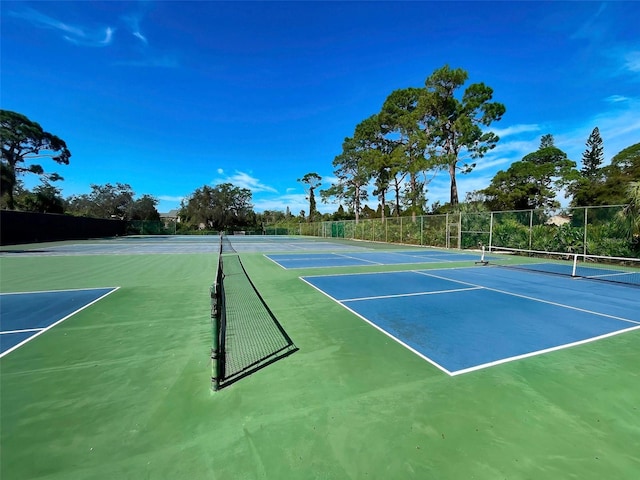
{"points": [[606, 230]]}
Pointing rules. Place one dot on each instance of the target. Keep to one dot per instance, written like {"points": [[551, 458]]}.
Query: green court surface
{"points": [[122, 389]]}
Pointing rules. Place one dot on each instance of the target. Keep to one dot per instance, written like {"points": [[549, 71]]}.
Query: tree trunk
{"points": [[413, 197], [454, 188], [396, 187], [357, 203]]}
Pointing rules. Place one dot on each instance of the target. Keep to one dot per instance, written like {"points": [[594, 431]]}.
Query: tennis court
{"points": [[352, 259], [409, 364], [462, 320]]}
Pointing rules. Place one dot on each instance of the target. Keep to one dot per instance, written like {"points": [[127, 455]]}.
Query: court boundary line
{"points": [[543, 351], [351, 257], [616, 274], [384, 272], [272, 260], [49, 327], [58, 290], [415, 294], [24, 330]]}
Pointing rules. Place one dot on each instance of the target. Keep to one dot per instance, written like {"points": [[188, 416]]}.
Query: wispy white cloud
{"points": [[244, 180], [329, 180], [616, 98], [632, 61], [490, 163], [520, 146], [87, 37], [140, 36], [44, 21], [593, 28], [295, 202], [93, 42], [133, 24], [622, 122], [515, 130], [102, 36], [171, 198], [619, 126], [439, 190], [622, 60]]}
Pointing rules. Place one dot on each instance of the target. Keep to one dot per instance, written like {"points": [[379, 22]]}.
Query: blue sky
{"points": [[170, 96]]}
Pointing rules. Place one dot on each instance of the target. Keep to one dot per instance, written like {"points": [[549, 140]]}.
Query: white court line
{"points": [[323, 256], [358, 259], [6, 352], [335, 256], [303, 258], [22, 331], [616, 274], [274, 261], [389, 272], [562, 305], [57, 291], [400, 295], [540, 352]]}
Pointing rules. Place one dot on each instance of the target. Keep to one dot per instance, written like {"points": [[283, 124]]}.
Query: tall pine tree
{"points": [[586, 189], [593, 156]]}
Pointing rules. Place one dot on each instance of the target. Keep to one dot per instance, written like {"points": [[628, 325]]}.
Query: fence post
{"points": [[530, 229], [584, 248], [490, 231], [446, 230]]}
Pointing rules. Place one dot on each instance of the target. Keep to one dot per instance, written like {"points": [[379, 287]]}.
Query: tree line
{"points": [[24, 142], [417, 131], [392, 155], [420, 132]]}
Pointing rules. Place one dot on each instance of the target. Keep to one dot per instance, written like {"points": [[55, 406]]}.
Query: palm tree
{"points": [[629, 216]]}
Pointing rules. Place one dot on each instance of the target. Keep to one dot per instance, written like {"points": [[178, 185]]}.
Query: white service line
{"points": [[400, 295], [24, 330]]}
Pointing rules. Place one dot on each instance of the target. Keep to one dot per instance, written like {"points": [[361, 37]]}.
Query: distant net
{"points": [[225, 245], [594, 267]]}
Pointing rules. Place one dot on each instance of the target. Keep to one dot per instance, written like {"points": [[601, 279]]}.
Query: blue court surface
{"points": [[24, 316], [352, 259], [465, 319]]}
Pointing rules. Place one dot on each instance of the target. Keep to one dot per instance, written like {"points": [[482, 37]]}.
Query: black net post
{"points": [[215, 350], [217, 326]]}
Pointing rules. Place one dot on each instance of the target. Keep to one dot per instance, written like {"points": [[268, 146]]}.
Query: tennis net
{"points": [[246, 334], [594, 267]]}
